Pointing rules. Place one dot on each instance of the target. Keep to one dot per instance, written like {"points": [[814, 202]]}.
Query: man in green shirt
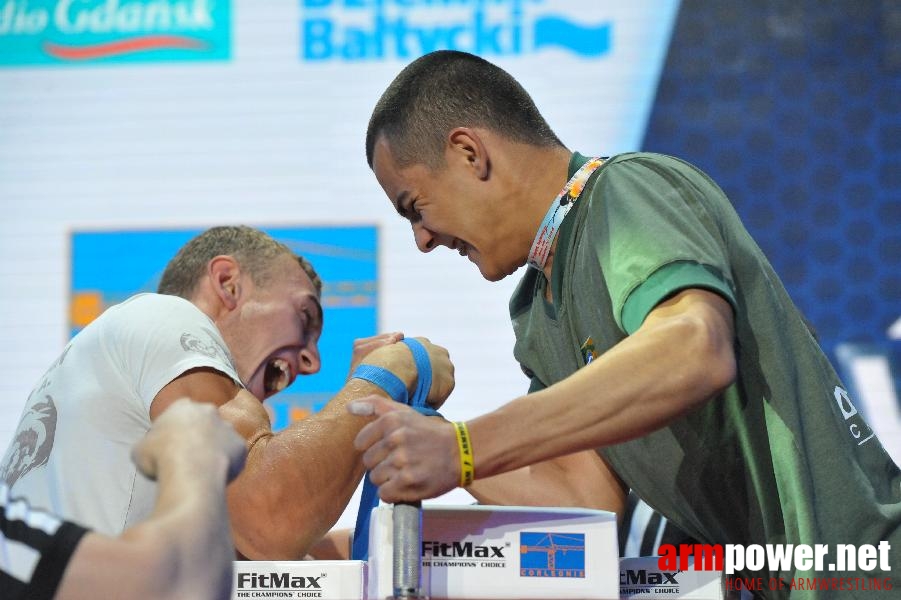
{"points": [[663, 351]]}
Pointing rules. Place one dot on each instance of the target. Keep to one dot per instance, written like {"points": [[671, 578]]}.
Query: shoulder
{"points": [[655, 165], [157, 312], [156, 303], [653, 161], [636, 175], [157, 321]]}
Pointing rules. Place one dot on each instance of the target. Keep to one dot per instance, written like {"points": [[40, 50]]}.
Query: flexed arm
{"points": [[681, 357], [297, 482]]}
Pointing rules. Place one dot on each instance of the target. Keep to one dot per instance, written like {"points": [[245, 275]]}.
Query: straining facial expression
{"points": [[274, 331], [448, 206]]}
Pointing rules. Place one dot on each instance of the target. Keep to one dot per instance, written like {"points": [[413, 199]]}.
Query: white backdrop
{"points": [[271, 138]]}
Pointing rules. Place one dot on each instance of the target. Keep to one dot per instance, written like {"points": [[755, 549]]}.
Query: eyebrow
{"points": [[319, 317]]}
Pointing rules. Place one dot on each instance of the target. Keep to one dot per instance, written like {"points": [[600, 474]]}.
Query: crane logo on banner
{"points": [[350, 30], [60, 32], [545, 554]]}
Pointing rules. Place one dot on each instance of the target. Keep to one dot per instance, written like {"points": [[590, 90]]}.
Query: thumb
{"points": [[373, 406]]}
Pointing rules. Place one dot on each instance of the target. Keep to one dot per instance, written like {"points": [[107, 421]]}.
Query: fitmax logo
{"points": [[460, 550], [643, 577], [278, 581], [357, 30]]}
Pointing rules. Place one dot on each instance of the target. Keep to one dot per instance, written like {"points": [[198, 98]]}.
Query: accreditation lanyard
{"points": [[560, 207]]}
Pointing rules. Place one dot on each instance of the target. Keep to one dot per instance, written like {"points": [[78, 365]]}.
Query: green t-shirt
{"points": [[782, 457]]}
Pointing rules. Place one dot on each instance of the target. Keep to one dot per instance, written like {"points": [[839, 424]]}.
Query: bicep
{"points": [[699, 327], [200, 385], [706, 307], [236, 405], [586, 480], [581, 479]]}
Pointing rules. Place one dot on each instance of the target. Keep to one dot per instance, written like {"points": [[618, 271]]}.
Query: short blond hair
{"points": [[256, 251]]}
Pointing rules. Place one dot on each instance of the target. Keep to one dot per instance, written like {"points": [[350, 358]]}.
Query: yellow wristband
{"points": [[464, 444]]}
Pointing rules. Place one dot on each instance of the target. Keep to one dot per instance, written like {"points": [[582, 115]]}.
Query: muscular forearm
{"points": [[580, 479], [680, 358], [296, 483]]}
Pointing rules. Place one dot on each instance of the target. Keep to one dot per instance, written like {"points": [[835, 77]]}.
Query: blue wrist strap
{"points": [[424, 373], [385, 379], [395, 388]]}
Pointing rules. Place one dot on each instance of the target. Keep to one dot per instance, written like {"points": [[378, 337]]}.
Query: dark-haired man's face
{"points": [[446, 207], [274, 331]]}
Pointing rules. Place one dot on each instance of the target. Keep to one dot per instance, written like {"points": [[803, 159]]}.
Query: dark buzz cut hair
{"points": [[254, 250], [446, 89]]}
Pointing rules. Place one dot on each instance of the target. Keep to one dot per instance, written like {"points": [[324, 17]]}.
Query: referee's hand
{"points": [[410, 456], [190, 435]]}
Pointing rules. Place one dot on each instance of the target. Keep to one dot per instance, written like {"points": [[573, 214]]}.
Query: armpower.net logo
{"points": [[810, 567]]}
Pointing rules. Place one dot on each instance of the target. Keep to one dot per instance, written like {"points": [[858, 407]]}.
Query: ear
{"points": [[225, 277], [466, 144]]}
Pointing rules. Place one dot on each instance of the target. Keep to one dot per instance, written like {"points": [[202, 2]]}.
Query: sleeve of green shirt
{"points": [[655, 230]]}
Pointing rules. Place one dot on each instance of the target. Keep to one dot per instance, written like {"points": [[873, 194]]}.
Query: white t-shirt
{"points": [[71, 451]]}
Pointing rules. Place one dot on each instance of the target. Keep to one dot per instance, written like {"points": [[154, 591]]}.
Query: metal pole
{"points": [[407, 534]]}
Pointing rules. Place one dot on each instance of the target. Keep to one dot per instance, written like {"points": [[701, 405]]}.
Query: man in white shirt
{"points": [[237, 319]]}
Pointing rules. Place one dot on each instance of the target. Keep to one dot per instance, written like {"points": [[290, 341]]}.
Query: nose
{"points": [[308, 361], [425, 239]]}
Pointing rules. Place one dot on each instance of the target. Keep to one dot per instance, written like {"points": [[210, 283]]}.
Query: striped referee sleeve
{"points": [[35, 548], [644, 530]]}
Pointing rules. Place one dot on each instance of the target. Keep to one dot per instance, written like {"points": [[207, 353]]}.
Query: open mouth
{"points": [[276, 376]]}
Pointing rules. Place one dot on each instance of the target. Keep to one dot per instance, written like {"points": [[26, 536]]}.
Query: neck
{"points": [[549, 263], [207, 301], [543, 172]]}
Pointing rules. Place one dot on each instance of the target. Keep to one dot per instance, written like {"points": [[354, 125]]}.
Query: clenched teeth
{"points": [[277, 375]]}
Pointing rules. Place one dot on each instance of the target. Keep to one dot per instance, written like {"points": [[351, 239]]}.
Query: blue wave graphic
{"points": [[587, 41]]}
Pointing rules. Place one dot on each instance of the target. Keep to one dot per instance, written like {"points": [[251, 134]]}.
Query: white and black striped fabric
{"points": [[644, 529], [35, 548]]}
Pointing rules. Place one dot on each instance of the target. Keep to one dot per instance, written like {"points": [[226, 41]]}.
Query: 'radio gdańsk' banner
{"points": [[57, 32]]}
